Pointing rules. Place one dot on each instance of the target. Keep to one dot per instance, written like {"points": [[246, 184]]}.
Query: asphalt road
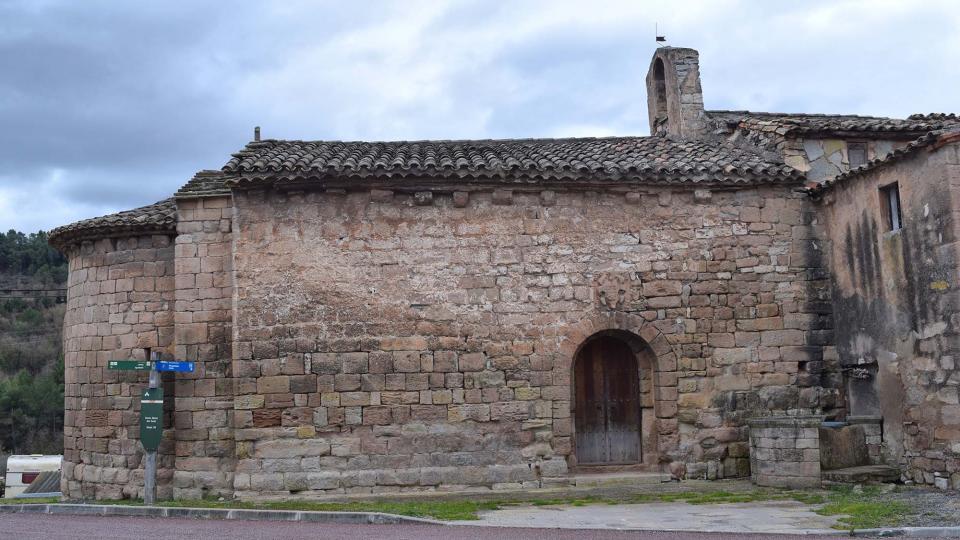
{"points": [[48, 527]]}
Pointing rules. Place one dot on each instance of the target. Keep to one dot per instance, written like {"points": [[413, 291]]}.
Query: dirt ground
{"points": [[931, 507]]}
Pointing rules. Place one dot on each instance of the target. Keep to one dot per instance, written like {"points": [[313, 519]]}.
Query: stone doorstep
{"points": [[860, 475], [347, 518], [617, 479]]}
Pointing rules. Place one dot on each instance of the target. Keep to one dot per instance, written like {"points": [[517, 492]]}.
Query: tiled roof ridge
{"points": [[933, 116], [205, 183], [933, 138], [812, 123], [159, 217], [802, 115], [270, 142]]}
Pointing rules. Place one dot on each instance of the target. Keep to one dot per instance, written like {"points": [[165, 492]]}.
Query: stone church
{"points": [[377, 317]]}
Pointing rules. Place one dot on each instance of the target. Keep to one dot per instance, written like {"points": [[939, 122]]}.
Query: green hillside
{"points": [[32, 282]]}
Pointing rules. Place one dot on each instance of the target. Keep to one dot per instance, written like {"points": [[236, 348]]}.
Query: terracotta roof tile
{"points": [[204, 184], [655, 159], [154, 218], [935, 117], [799, 124]]}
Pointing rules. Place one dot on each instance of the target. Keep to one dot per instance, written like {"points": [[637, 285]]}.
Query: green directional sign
{"points": [[151, 418], [129, 365]]}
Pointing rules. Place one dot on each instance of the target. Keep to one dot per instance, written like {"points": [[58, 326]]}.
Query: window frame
{"points": [[866, 153], [890, 201]]}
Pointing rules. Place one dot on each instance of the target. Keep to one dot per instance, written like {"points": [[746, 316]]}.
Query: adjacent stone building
{"points": [[892, 236], [404, 316]]}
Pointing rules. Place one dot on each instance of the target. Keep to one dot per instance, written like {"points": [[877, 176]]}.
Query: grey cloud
{"points": [[106, 105]]}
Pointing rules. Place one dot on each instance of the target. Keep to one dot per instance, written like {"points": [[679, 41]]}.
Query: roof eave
{"points": [[63, 240], [307, 180]]}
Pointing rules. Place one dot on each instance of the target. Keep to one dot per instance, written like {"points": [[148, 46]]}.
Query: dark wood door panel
{"points": [[591, 413], [607, 403]]}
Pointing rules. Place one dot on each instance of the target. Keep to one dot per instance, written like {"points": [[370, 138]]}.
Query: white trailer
{"points": [[23, 470]]}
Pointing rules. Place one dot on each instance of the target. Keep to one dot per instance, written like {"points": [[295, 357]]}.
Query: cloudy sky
{"points": [[106, 106]]}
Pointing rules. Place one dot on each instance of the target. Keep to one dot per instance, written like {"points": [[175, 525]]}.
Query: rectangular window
{"points": [[857, 154], [890, 203]]}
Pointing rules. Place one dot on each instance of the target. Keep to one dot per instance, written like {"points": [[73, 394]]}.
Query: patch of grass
{"points": [[574, 501], [468, 509], [443, 510], [689, 497], [864, 508], [711, 497], [446, 510], [43, 500], [808, 497]]}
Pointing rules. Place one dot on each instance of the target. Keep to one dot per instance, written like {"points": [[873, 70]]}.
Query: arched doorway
{"points": [[607, 403]]}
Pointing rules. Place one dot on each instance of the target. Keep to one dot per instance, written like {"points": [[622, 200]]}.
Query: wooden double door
{"points": [[607, 414]]}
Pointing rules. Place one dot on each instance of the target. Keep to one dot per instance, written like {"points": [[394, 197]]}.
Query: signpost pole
{"points": [[151, 412], [150, 464]]}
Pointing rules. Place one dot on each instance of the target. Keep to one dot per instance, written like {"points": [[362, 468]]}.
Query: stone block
{"points": [[502, 197], [377, 415], [372, 382], [411, 343], [511, 410], [345, 382], [406, 361], [353, 399], [475, 412], [291, 448], [209, 419], [445, 361], [273, 385], [526, 393], [323, 480], [423, 198], [380, 195], [263, 418], [472, 362], [354, 362], [380, 362], [266, 482], [326, 364]]}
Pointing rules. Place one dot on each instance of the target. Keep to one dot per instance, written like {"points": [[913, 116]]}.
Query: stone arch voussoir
{"points": [[664, 365]]}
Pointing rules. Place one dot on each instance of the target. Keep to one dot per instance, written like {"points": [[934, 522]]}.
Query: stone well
{"points": [[785, 451]]}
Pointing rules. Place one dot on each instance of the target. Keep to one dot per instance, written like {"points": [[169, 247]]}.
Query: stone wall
{"points": [[120, 303], [203, 332], [872, 426], [820, 157], [406, 341], [898, 338], [823, 159], [785, 451]]}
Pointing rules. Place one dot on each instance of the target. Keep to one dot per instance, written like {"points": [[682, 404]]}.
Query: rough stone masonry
{"points": [[443, 315]]}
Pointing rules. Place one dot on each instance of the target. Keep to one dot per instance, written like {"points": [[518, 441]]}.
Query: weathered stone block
{"points": [[354, 362], [263, 418], [406, 361], [291, 448], [472, 362], [461, 199], [273, 385]]}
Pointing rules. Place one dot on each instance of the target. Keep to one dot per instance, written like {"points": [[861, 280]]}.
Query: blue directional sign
{"points": [[175, 366]]}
